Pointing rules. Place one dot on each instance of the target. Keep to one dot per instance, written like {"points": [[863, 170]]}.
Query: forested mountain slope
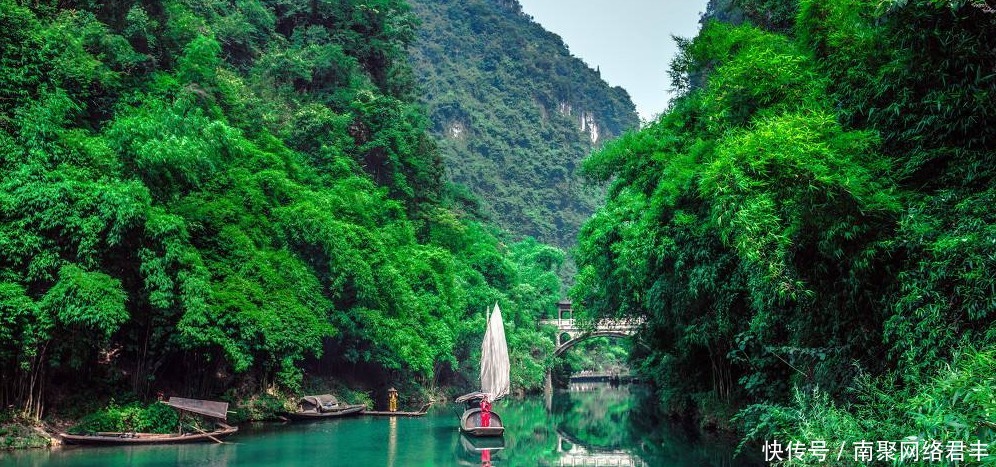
{"points": [[514, 113], [810, 230], [202, 195]]}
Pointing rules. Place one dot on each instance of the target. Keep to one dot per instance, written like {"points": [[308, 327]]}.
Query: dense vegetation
{"points": [[608, 355], [201, 196], [514, 113], [809, 229]]}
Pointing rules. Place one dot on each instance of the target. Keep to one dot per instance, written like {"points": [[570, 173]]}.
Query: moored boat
{"points": [[470, 423], [323, 406], [218, 411], [126, 438]]}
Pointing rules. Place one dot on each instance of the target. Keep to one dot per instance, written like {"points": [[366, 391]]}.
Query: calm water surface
{"points": [[599, 426]]}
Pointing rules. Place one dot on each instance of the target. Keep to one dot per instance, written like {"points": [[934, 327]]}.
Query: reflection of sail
{"points": [[494, 358]]}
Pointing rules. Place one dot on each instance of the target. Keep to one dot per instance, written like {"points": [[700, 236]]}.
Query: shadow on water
{"points": [[613, 426]]}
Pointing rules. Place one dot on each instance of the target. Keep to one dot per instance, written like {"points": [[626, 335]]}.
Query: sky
{"points": [[629, 41]]}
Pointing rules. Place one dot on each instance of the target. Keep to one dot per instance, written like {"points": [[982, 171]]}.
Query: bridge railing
{"points": [[607, 324]]}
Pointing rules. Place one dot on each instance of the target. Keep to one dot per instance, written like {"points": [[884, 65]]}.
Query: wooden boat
{"points": [[115, 438], [210, 409], [470, 423], [384, 413], [494, 382], [321, 407]]}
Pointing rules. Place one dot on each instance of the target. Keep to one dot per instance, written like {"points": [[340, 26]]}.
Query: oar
{"points": [[209, 436]]}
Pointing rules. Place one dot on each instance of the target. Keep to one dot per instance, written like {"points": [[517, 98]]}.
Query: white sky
{"points": [[629, 41]]}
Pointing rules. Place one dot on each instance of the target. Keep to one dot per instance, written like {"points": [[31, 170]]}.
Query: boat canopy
{"points": [[212, 409], [476, 395], [320, 402]]}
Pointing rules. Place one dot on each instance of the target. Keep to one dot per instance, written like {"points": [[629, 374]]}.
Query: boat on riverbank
{"points": [[323, 406], [106, 438], [478, 419], [218, 411]]}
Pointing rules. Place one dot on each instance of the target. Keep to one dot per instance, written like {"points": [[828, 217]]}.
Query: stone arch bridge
{"points": [[566, 326]]}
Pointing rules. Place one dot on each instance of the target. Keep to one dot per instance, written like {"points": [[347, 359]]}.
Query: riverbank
{"points": [[124, 412], [22, 434]]}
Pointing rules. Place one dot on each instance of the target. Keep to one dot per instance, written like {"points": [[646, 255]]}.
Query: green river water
{"points": [[601, 426]]}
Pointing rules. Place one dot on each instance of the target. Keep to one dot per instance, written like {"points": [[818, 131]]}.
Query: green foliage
{"points": [[86, 301], [957, 403], [23, 325], [791, 177], [260, 407], [601, 354], [214, 195], [134, 417], [811, 217], [773, 15], [18, 434]]}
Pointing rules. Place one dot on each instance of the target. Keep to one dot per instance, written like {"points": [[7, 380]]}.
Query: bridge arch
{"points": [[574, 340]]}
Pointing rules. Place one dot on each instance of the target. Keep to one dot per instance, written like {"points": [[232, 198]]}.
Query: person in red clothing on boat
{"points": [[485, 422], [485, 412]]}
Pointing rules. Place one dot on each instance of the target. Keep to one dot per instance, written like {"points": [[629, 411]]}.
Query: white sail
{"points": [[494, 358]]}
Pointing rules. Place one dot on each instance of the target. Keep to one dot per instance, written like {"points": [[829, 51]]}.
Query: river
{"points": [[593, 425]]}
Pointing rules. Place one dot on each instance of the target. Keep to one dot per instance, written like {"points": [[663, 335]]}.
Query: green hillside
{"points": [[202, 196], [514, 113], [809, 230]]}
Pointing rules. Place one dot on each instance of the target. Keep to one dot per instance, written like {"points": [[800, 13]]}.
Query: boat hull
{"points": [[470, 424], [127, 439], [303, 416]]}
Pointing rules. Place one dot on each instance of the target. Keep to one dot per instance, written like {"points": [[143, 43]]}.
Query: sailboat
{"points": [[478, 419]]}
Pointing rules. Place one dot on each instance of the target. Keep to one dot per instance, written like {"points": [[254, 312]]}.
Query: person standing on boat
{"points": [[485, 412]]}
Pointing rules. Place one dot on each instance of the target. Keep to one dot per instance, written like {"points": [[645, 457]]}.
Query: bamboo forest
{"points": [[260, 211]]}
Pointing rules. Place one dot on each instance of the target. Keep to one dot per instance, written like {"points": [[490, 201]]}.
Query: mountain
{"points": [[514, 113]]}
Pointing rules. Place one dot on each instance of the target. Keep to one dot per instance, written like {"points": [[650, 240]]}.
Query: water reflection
{"points": [[611, 426], [481, 451], [392, 441], [605, 424]]}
